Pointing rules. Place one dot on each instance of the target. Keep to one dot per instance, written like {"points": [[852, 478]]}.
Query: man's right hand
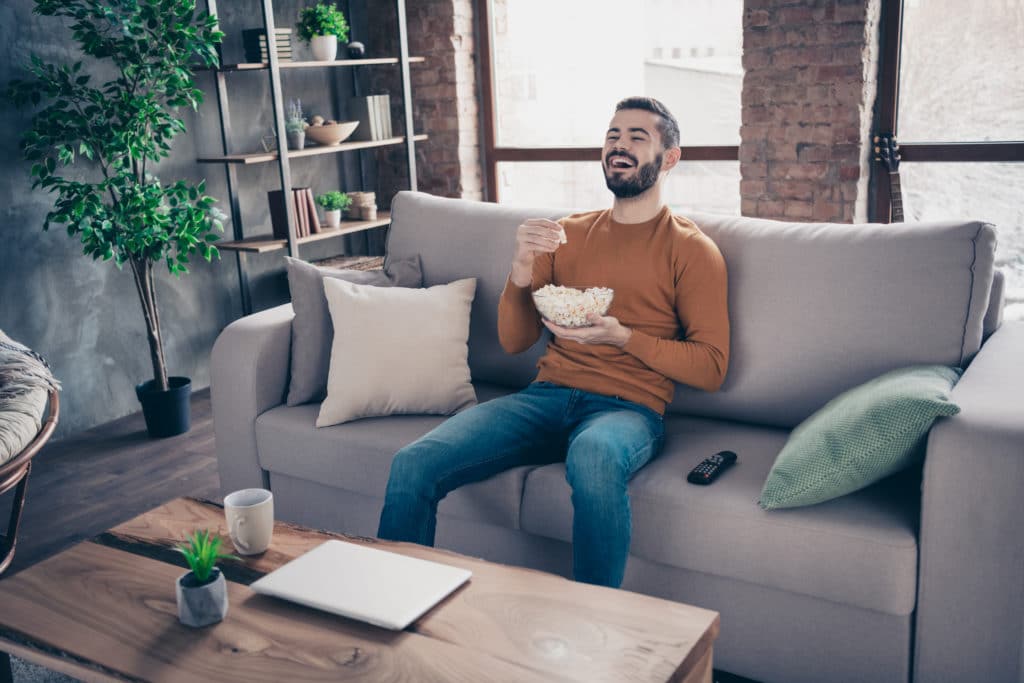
{"points": [[534, 236]]}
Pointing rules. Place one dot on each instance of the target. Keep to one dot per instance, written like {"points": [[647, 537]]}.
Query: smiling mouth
{"points": [[619, 162]]}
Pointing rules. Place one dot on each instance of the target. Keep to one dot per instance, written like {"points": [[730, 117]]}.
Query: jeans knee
{"points": [[595, 471], [407, 470]]}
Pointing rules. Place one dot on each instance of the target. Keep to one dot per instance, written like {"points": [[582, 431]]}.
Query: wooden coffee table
{"points": [[104, 610]]}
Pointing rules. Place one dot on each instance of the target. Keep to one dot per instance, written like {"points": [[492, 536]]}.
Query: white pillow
{"points": [[397, 350]]}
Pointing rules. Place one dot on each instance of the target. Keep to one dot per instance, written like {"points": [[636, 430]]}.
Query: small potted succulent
{"points": [[202, 592], [295, 125], [334, 203], [321, 27]]}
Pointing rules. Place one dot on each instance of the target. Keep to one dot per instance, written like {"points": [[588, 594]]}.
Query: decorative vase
{"points": [[201, 604], [296, 140], [167, 413], [325, 48], [332, 218], [356, 50]]}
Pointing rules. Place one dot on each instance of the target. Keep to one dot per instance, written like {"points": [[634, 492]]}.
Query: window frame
{"points": [[493, 155], [887, 123]]}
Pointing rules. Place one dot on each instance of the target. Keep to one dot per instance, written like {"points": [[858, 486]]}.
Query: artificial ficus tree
{"points": [[95, 144]]}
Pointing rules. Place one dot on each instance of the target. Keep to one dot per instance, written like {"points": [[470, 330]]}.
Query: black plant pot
{"points": [[168, 412]]}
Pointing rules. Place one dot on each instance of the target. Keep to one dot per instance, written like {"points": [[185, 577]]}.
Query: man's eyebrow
{"points": [[631, 130]]}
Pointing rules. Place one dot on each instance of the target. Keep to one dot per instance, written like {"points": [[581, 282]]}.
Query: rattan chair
{"points": [[14, 473]]}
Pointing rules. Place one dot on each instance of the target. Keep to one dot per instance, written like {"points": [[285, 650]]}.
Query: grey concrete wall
{"points": [[83, 315]]}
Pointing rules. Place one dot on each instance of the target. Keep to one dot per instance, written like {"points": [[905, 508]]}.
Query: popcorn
{"points": [[569, 306]]}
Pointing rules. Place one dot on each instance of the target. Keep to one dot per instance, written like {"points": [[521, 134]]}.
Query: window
{"points": [[959, 96], [557, 69]]}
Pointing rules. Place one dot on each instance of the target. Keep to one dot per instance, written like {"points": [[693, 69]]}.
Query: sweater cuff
{"points": [[641, 345]]}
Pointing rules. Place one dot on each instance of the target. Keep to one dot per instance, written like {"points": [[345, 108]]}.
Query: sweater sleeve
{"points": [[701, 358], [519, 325]]}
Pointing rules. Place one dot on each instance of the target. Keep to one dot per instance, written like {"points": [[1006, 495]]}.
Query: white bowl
{"points": [[569, 306], [332, 134]]}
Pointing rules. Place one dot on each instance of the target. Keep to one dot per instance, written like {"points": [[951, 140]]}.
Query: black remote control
{"points": [[710, 468]]}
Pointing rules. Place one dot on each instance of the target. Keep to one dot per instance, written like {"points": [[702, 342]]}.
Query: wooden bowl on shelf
{"points": [[331, 134]]}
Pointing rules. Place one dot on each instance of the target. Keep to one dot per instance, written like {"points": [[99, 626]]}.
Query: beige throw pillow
{"points": [[397, 350]]}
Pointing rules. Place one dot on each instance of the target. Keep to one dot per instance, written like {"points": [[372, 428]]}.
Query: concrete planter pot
{"points": [[201, 605], [325, 48], [296, 140], [332, 218]]}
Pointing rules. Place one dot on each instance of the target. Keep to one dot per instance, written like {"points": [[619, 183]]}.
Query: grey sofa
{"points": [[919, 577]]}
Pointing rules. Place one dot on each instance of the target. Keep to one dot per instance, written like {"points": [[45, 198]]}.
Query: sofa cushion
{"points": [[356, 456], [397, 350], [861, 436], [815, 308], [312, 327], [859, 550]]}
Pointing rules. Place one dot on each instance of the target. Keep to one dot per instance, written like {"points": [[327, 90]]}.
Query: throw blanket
{"points": [[25, 382]]}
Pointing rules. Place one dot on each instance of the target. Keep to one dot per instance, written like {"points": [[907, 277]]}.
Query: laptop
{"points": [[376, 586]]}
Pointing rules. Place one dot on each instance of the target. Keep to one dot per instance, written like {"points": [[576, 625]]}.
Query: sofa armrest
{"points": [[248, 376], [970, 612]]}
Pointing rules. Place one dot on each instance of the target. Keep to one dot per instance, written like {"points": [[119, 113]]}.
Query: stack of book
{"points": [[374, 115], [254, 40], [306, 221]]}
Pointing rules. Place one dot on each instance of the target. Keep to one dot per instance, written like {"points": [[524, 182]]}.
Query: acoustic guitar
{"points": [[888, 153]]}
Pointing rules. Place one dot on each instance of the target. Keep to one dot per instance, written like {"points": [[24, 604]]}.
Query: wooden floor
{"points": [[87, 483]]}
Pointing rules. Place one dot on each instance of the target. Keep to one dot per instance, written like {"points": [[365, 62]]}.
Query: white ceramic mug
{"points": [[250, 516]]}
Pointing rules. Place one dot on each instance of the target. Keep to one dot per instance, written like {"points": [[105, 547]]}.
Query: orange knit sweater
{"points": [[670, 289]]}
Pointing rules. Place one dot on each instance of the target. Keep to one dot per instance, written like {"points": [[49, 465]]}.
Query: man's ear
{"points": [[670, 158]]}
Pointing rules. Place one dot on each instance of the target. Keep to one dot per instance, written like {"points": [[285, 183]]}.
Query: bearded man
{"points": [[600, 394]]}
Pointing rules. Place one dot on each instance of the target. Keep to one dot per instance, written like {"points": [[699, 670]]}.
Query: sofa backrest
{"points": [[815, 308]]}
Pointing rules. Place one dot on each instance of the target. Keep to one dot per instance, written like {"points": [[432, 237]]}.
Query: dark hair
{"points": [[668, 127]]}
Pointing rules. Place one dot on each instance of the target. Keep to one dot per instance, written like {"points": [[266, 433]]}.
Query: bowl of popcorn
{"points": [[329, 132], [570, 306]]}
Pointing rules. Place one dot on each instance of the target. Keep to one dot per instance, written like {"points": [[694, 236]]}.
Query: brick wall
{"points": [[808, 94], [445, 97]]}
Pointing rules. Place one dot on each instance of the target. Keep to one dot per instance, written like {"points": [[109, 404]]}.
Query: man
{"points": [[599, 397]]}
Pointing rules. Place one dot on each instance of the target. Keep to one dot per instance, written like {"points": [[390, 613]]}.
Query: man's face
{"points": [[632, 153]]}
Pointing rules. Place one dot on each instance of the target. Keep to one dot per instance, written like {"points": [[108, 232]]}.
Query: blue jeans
{"points": [[604, 440]]}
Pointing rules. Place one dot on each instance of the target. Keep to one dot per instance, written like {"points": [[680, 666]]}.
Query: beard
{"points": [[626, 188]]}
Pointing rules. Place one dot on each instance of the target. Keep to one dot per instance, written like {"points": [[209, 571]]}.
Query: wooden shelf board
{"points": [[263, 157], [288, 64], [262, 245]]}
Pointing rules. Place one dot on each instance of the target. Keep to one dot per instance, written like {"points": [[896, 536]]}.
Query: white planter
{"points": [[201, 605], [332, 218], [325, 48]]}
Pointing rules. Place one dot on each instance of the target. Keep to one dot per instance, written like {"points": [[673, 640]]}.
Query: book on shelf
{"points": [[254, 41], [374, 115], [303, 209], [310, 203]]}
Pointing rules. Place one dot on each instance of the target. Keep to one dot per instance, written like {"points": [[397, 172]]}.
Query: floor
{"points": [[85, 484]]}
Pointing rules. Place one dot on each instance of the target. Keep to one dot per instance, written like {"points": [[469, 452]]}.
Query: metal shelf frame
{"points": [[231, 158]]}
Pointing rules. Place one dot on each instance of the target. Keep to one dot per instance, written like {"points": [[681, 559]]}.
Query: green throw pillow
{"points": [[862, 435]]}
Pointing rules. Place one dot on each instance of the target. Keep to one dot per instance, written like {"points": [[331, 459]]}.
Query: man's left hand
{"points": [[603, 330]]}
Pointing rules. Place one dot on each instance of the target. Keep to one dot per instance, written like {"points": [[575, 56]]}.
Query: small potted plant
{"points": [[321, 27], [295, 125], [334, 203], [202, 592]]}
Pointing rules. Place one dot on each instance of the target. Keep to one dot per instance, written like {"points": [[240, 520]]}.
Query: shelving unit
{"points": [[231, 158]]}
